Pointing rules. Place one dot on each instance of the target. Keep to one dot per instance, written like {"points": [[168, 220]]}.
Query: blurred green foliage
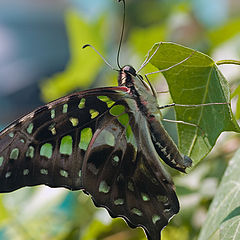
{"points": [[43, 213], [84, 64]]}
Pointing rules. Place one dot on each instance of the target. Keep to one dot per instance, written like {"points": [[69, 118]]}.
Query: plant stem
{"points": [[236, 62]]}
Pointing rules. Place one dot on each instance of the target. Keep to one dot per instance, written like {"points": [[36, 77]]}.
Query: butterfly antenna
{"points": [[101, 56], [122, 32], [148, 58]]}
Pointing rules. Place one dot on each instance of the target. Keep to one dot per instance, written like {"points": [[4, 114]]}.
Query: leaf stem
{"points": [[236, 62]]}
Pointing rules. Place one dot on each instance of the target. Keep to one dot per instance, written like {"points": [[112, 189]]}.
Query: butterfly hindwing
{"points": [[123, 174]]}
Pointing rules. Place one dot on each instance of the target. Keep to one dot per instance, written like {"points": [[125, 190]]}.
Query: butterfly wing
{"points": [[95, 140], [46, 146], [122, 172]]}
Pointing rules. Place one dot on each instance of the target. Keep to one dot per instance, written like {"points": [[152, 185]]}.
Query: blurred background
{"points": [[41, 59]]}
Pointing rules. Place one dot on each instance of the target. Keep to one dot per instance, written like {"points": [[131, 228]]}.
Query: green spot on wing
{"points": [[130, 186], [155, 218], [107, 100], [119, 201], [52, 129], [130, 135], [123, 119], [81, 104], [30, 128], [65, 108], [162, 198], [86, 136], [110, 139], [66, 145], [106, 137], [1, 161], [8, 174], [25, 172], [30, 152], [46, 150], [11, 135], [93, 113], [52, 113], [136, 211], [117, 110], [63, 173], [74, 121], [145, 197], [44, 171], [14, 153], [116, 160], [103, 187]]}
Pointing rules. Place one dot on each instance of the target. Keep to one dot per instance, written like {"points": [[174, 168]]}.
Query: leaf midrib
{"points": [[201, 112]]}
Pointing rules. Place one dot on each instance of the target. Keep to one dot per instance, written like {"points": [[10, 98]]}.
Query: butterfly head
{"points": [[128, 77], [129, 70]]}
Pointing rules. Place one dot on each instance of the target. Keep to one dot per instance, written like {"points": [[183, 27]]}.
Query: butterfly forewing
{"points": [[47, 146]]}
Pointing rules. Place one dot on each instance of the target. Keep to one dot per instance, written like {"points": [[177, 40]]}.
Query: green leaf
{"points": [[195, 81], [224, 213]]}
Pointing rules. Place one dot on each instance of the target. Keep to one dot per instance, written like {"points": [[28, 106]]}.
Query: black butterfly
{"points": [[106, 141]]}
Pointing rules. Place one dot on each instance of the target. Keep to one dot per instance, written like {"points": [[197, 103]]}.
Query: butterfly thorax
{"points": [[140, 91]]}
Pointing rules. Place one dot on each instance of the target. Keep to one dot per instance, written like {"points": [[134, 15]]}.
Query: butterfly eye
{"points": [[129, 70]]}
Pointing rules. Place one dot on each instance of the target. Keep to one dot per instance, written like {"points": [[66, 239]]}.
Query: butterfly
{"points": [[106, 141]]}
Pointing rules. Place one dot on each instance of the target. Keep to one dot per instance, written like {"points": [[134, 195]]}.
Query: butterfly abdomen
{"points": [[166, 148]]}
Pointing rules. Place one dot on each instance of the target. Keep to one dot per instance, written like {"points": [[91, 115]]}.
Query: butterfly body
{"points": [[106, 141], [148, 105]]}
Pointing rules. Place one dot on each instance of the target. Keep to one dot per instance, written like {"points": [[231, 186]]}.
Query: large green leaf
{"points": [[224, 215], [195, 81]]}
